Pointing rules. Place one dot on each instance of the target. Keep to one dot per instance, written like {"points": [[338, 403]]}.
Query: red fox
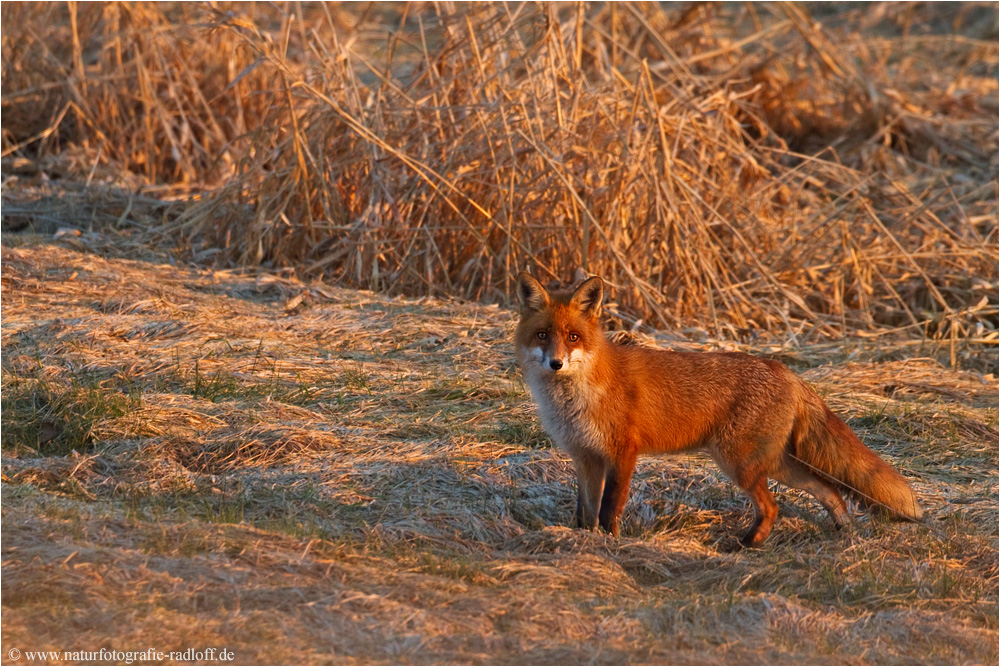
{"points": [[605, 404]]}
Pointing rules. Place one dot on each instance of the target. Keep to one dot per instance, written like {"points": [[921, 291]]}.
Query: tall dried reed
{"points": [[741, 170]]}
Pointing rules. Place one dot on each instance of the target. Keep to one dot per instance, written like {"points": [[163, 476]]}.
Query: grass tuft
{"points": [[57, 418]]}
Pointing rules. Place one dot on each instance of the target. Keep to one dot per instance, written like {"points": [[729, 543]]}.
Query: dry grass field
{"points": [[188, 462], [258, 388]]}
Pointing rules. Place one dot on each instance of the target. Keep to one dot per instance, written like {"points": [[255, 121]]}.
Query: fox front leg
{"points": [[618, 476], [591, 471]]}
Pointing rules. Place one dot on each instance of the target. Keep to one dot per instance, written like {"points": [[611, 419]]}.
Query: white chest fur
{"points": [[566, 407]]}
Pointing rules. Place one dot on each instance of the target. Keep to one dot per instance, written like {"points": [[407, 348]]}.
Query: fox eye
{"points": [[542, 335], [573, 337]]}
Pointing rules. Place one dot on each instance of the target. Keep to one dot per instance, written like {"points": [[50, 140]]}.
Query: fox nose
{"points": [[556, 364]]}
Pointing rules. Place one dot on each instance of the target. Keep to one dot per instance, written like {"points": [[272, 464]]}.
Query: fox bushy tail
{"points": [[823, 441]]}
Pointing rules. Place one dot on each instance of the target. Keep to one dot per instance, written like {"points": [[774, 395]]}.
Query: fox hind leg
{"points": [[796, 474], [765, 512], [752, 478]]}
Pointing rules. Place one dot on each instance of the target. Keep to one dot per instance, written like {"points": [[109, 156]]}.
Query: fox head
{"points": [[559, 332]]}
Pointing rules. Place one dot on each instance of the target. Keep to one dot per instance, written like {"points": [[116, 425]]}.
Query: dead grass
{"points": [[360, 479]]}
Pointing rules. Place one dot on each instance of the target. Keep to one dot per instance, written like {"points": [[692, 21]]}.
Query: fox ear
{"points": [[588, 297], [530, 293]]}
